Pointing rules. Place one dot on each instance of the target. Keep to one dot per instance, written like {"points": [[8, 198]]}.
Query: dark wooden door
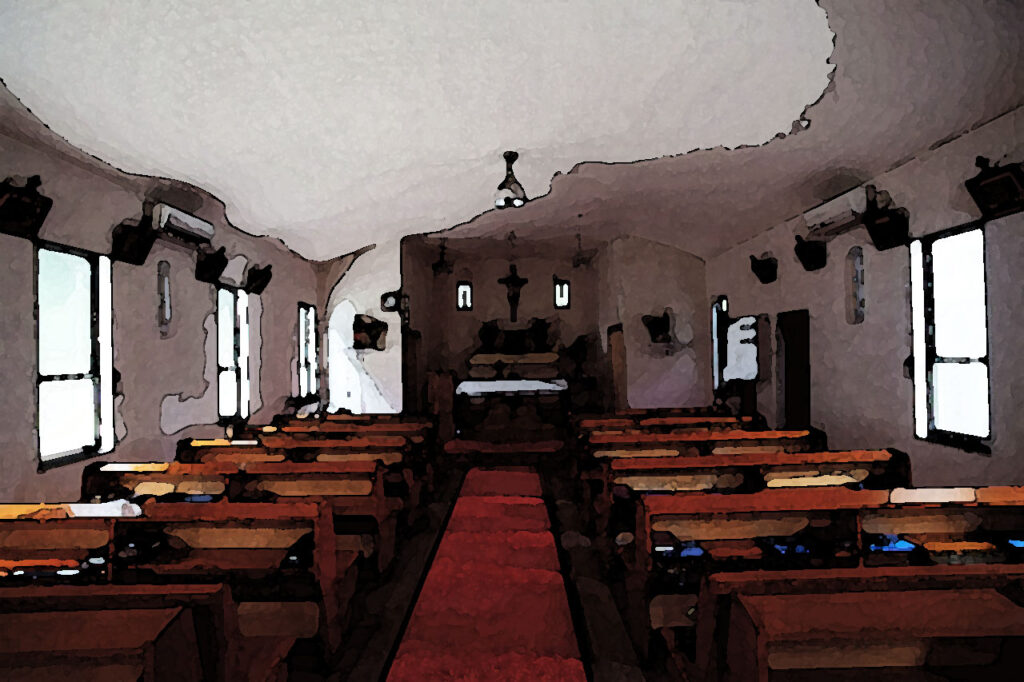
{"points": [[617, 351], [793, 335]]}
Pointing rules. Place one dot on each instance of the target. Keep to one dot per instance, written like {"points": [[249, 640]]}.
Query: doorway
{"points": [[793, 364]]}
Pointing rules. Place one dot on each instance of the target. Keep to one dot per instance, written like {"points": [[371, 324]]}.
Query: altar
{"points": [[513, 389]]}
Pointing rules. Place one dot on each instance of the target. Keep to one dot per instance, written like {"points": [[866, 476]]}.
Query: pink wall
{"points": [[859, 393], [169, 384]]}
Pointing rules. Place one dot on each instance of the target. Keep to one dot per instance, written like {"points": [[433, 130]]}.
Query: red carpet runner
{"points": [[493, 606]]}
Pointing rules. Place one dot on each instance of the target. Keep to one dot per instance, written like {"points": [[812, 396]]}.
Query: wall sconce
{"points": [[510, 193], [997, 190], [887, 225], [766, 268], [812, 254], [210, 264], [257, 279], [23, 209], [442, 266]]}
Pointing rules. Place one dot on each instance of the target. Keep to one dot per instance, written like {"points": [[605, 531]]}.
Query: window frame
{"points": [[236, 293], [95, 374], [719, 339], [558, 281], [962, 441], [303, 363], [458, 304]]}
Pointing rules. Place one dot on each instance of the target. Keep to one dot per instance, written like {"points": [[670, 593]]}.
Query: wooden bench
{"points": [[956, 520], [586, 425], [641, 443], [57, 543], [706, 659], [355, 491], [280, 560], [752, 471], [241, 481], [105, 645], [742, 472], [401, 479], [973, 633], [210, 607], [796, 530]]}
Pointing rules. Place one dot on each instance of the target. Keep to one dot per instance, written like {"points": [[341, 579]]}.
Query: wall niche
{"points": [[369, 333]]}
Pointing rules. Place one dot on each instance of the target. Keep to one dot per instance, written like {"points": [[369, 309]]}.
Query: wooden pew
{"points": [[210, 608], [741, 472], [643, 443], [794, 530], [969, 633], [295, 447], [585, 425], [354, 490], [706, 660], [57, 543], [752, 471], [105, 645], [280, 561], [241, 481], [356, 493], [605, 447]]}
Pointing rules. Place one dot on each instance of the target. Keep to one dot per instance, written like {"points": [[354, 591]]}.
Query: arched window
{"points": [[855, 285]]}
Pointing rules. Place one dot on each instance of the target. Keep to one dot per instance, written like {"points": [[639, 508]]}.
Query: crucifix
{"points": [[513, 283]]}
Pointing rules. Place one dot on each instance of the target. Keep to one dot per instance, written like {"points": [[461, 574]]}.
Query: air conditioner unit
{"points": [[181, 224], [837, 216]]}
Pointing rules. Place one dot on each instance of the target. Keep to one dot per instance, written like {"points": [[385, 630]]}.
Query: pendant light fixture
{"points": [[510, 193]]}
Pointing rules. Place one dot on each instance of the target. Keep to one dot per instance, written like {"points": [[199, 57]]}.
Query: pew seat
{"points": [[963, 629], [717, 595], [281, 552], [626, 441], [211, 607], [102, 645]]}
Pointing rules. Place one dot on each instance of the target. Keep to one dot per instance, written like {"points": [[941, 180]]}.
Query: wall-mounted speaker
{"points": [[812, 254], [997, 190], [23, 209], [133, 241], [369, 333], [659, 327], [390, 301], [766, 268], [887, 225], [257, 279], [210, 265]]}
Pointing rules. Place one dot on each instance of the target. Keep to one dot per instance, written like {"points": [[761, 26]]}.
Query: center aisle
{"points": [[493, 606]]}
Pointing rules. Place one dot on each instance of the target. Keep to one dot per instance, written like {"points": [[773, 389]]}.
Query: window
{"points": [[233, 353], [950, 337], [719, 321], [75, 355], [308, 384], [464, 296], [163, 288], [561, 293], [855, 285], [741, 350]]}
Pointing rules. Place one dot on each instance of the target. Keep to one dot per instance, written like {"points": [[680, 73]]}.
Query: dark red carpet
{"points": [[493, 606]]}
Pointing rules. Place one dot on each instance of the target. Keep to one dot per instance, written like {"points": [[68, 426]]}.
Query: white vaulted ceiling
{"points": [[337, 124]]}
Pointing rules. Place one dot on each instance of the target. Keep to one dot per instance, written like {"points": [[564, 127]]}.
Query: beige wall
{"points": [[450, 336], [859, 394], [641, 277], [169, 384], [625, 280], [367, 381]]}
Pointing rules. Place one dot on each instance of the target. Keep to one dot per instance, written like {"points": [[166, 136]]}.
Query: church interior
{"points": [[577, 341]]}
